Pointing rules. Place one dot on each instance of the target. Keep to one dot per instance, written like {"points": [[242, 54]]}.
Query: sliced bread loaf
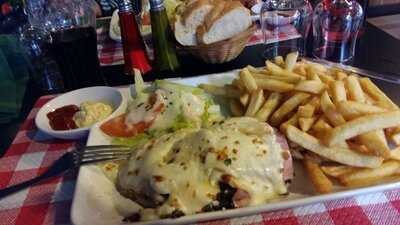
{"points": [[226, 19], [192, 16]]}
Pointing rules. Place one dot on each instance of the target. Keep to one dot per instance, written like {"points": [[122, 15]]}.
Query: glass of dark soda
{"points": [[75, 51], [72, 40]]}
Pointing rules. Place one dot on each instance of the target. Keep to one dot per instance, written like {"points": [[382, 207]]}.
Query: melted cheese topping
{"points": [[144, 111], [188, 164]]}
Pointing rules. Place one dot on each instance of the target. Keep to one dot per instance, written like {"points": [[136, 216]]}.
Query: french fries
{"points": [[329, 114], [269, 106], [315, 102], [337, 171], [338, 91], [306, 123], [248, 81], [252, 69], [259, 74], [340, 75], [351, 110], [300, 69], [376, 141], [362, 125], [363, 177], [326, 102], [213, 89], [277, 70], [279, 61], [293, 120], [330, 111], [227, 90], [371, 89], [359, 148], [287, 107], [326, 79], [288, 79], [310, 86], [236, 107], [321, 183], [395, 138], [237, 83], [256, 101], [311, 74], [244, 99], [317, 67], [306, 111], [273, 85], [321, 126], [337, 154], [354, 89], [291, 60], [232, 91]]}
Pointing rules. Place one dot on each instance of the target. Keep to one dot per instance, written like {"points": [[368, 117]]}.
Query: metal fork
{"points": [[73, 159]]}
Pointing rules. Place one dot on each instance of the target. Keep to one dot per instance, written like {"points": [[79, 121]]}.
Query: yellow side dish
{"points": [[91, 112]]}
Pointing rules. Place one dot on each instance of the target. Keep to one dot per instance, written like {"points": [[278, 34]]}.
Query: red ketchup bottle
{"points": [[135, 56]]}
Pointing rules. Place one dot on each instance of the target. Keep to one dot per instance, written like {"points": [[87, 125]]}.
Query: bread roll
{"points": [[192, 16], [209, 21], [233, 19]]}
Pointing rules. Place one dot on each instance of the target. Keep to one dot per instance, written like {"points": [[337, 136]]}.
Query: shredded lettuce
{"points": [[179, 87], [170, 6], [139, 84], [206, 115], [180, 122], [211, 111], [132, 141], [140, 94], [209, 116]]}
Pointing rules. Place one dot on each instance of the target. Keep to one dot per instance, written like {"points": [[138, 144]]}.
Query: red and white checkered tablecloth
{"points": [[110, 51], [50, 202]]}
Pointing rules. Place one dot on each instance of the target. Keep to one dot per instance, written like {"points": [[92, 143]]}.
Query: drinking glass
{"points": [[336, 24], [34, 38], [285, 25], [71, 40]]}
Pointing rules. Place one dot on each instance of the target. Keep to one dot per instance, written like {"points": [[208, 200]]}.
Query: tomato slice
{"points": [[159, 108], [116, 127]]}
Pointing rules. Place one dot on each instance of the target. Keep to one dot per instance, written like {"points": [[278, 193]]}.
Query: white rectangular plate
{"points": [[95, 195]]}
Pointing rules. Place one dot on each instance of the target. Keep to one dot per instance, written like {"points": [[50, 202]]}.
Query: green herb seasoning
{"points": [[227, 162], [164, 50]]}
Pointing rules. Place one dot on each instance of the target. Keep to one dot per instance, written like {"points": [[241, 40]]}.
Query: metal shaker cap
{"points": [[125, 6], [156, 4]]}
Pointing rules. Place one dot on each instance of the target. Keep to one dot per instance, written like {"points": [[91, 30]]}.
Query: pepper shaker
{"points": [[165, 58]]}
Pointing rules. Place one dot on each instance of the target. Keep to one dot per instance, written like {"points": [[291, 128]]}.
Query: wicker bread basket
{"points": [[221, 51]]}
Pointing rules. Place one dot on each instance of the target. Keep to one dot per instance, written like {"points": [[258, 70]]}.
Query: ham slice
{"points": [[288, 162], [241, 198]]}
